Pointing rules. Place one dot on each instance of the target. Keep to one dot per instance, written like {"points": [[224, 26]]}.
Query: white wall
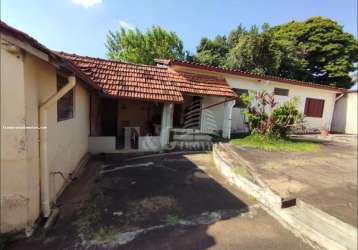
{"points": [[212, 118], [302, 93], [345, 114]]}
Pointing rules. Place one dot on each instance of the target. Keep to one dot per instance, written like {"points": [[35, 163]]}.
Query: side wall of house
{"points": [[15, 202], [312, 123], [345, 114], [26, 83]]}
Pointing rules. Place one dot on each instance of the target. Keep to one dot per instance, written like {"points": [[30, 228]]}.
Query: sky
{"points": [[81, 26]]}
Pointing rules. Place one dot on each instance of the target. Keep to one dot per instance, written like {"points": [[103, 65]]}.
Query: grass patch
{"points": [[171, 219], [275, 144]]}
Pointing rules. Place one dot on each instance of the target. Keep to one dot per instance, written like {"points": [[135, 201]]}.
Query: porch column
{"points": [[167, 124], [227, 118]]}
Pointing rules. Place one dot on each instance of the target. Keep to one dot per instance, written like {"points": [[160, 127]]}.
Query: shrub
{"points": [[266, 119]]}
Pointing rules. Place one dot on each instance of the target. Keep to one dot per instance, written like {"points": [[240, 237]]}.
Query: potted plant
{"points": [[324, 131]]}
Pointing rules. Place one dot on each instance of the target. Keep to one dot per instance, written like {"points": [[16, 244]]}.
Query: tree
{"points": [[316, 50], [255, 52], [212, 52], [321, 48], [143, 47]]}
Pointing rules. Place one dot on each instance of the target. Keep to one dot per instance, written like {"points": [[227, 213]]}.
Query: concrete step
{"points": [[191, 145]]}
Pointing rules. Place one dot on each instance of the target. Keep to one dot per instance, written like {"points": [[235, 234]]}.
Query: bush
{"points": [[286, 117], [264, 118]]}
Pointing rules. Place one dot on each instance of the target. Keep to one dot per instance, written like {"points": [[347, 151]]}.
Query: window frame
{"points": [[239, 92], [281, 89], [312, 114], [62, 101]]}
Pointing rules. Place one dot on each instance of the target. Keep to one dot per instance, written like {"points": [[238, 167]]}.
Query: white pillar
{"points": [[167, 124], [227, 118]]}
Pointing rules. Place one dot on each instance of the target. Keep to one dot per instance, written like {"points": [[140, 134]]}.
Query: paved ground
{"points": [[326, 179], [167, 203]]}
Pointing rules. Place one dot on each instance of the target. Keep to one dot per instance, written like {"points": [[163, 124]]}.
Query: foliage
{"points": [[270, 143], [286, 117], [143, 47], [266, 119], [326, 52], [315, 50], [212, 52]]}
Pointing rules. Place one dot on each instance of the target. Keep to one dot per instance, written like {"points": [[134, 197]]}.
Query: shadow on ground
{"points": [[168, 191]]}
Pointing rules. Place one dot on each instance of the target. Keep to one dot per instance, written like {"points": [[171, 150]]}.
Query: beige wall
{"points": [[26, 82], [345, 114], [14, 181]]}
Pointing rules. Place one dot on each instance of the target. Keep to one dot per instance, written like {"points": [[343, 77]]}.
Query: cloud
{"points": [[126, 25], [87, 3]]}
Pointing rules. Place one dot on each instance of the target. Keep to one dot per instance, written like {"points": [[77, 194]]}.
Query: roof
{"points": [[171, 62], [23, 37], [145, 82]]}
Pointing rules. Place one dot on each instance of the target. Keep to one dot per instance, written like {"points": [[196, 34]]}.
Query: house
{"points": [[345, 113], [56, 107], [315, 101]]}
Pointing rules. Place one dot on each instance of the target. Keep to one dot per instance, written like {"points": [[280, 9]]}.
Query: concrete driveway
{"points": [[165, 202], [326, 179]]}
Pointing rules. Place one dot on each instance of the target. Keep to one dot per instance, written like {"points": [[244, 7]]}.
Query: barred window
{"points": [[65, 103]]}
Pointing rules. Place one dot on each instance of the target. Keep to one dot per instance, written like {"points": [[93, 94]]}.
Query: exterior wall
{"points": [[312, 123], [301, 92], [345, 114], [14, 180], [213, 117], [26, 82]]}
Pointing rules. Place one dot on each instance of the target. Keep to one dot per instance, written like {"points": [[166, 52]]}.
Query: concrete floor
{"points": [[168, 202], [326, 179]]}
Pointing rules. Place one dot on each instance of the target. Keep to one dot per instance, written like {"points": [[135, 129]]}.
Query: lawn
{"points": [[275, 144]]}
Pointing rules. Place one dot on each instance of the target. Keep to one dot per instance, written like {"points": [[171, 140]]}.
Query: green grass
{"points": [[171, 219], [275, 144]]}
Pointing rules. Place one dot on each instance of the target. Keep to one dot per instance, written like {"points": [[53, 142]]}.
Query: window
{"points": [[314, 107], [279, 91], [239, 92], [64, 104]]}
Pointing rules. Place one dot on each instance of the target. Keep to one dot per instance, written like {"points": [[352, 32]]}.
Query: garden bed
{"points": [[275, 144]]}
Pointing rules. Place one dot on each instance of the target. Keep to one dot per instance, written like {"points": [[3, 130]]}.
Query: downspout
{"points": [[44, 168]]}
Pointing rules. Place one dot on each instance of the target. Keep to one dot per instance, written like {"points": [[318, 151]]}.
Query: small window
{"points": [[279, 91], [314, 107], [64, 104], [239, 103]]}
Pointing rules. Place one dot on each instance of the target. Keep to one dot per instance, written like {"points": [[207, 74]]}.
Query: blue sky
{"points": [[80, 26]]}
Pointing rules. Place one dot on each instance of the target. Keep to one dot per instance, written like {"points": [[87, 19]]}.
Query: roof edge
{"points": [[171, 62]]}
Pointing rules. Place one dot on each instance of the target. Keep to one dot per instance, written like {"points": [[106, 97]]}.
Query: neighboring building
{"points": [[315, 101], [345, 113], [57, 107]]}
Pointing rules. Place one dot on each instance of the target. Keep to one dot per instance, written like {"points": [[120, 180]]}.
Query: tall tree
{"points": [[255, 52], [315, 50], [143, 47], [325, 50], [212, 52]]}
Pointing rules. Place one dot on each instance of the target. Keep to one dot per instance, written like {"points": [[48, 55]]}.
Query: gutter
{"points": [[44, 167]]}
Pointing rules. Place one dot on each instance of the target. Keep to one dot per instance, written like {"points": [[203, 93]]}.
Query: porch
{"points": [[121, 125]]}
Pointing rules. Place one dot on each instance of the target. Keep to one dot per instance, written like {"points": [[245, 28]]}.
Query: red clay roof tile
{"points": [[147, 82]]}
